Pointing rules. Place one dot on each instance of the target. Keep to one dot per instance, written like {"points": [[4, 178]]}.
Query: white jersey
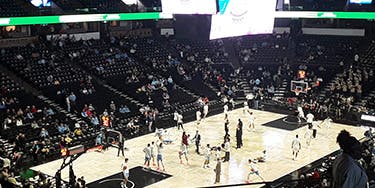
{"points": [[296, 144], [125, 168], [147, 151], [207, 153], [160, 150], [227, 146], [308, 134], [327, 122], [253, 167], [175, 116], [250, 96], [310, 118], [217, 154], [300, 112], [179, 118], [152, 150], [226, 108], [245, 104], [198, 115], [205, 109], [251, 118]]}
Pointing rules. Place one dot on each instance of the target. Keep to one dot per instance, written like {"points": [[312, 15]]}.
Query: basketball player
{"points": [[183, 151], [180, 122], [184, 139], [232, 103], [120, 146], [308, 136], [159, 157], [251, 121], [207, 154], [147, 151], [125, 173], [310, 119], [296, 146], [253, 170], [198, 115], [217, 171], [205, 110], [227, 150], [301, 114], [245, 107], [197, 140], [152, 153], [226, 108], [218, 153], [175, 117], [327, 122], [226, 129]]}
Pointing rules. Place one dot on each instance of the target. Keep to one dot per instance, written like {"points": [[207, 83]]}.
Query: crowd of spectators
{"points": [[154, 70]]}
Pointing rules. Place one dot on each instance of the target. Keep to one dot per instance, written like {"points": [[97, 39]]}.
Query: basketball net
{"points": [[297, 92]]}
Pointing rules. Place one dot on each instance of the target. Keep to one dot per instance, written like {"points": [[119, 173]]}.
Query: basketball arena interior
{"points": [[187, 93]]}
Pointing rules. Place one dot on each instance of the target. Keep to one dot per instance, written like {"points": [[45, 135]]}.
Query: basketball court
{"points": [[275, 136]]}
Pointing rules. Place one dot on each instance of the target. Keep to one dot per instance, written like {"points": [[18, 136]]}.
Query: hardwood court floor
{"points": [[277, 142]]}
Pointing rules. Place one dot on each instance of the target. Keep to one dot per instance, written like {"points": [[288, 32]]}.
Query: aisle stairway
{"points": [[282, 90], [139, 104]]}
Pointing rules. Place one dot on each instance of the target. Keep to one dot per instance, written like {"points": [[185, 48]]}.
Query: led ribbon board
{"points": [[158, 15], [31, 20]]}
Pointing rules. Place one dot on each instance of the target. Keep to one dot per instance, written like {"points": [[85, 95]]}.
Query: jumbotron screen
{"points": [[243, 17], [41, 3], [361, 1], [189, 6]]}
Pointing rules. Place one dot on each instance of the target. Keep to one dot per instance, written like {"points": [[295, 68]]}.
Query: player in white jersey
{"points": [[180, 123], [301, 114], [183, 151], [245, 107], [253, 170], [205, 111], [251, 121], [207, 155], [327, 122], [296, 146], [152, 153], [175, 117], [159, 157], [309, 119], [147, 151], [198, 116], [218, 153], [226, 108], [308, 136], [125, 173]]}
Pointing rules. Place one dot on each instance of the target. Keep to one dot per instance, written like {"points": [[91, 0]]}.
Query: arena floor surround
{"points": [[95, 166]]}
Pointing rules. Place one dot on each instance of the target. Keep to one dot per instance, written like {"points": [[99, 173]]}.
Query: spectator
{"points": [[347, 172], [124, 109], [112, 106], [78, 131], [47, 111], [43, 134], [34, 124]]}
